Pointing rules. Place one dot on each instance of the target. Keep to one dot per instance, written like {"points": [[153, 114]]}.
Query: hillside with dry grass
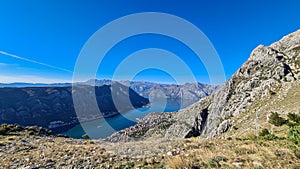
{"points": [[27, 148]]}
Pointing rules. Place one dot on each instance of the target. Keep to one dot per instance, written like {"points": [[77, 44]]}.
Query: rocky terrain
{"points": [[33, 147], [262, 82], [52, 107]]}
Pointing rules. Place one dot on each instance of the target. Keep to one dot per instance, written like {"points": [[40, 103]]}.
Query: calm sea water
{"points": [[102, 128]]}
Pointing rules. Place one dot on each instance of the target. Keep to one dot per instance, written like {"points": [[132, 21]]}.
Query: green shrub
{"points": [[264, 132], [270, 137], [276, 120], [213, 163], [294, 117], [85, 136], [294, 134], [266, 135], [292, 124]]}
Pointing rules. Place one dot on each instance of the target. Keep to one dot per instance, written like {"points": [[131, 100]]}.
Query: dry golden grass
{"points": [[54, 152], [249, 153], [179, 162]]}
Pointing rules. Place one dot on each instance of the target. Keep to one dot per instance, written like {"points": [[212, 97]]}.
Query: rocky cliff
{"points": [[269, 72]]}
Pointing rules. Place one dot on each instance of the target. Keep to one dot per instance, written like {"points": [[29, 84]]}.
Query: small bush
{"points": [[85, 136], [294, 117], [17, 128], [4, 129], [235, 128], [294, 134], [229, 138], [292, 124], [264, 132], [266, 135], [276, 120], [31, 133], [213, 163], [297, 154]]}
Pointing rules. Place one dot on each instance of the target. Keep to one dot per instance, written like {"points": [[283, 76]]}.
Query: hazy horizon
{"points": [[70, 82]]}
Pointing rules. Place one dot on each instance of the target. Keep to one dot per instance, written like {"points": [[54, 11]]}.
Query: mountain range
{"points": [[182, 95], [52, 107], [179, 95]]}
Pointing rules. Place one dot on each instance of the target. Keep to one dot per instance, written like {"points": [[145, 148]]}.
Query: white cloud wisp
{"points": [[33, 61]]}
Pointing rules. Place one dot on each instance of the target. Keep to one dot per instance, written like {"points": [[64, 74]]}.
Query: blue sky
{"points": [[53, 32]]}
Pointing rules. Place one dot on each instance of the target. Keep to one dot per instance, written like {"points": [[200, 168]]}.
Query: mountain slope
{"points": [[43, 105], [269, 71]]}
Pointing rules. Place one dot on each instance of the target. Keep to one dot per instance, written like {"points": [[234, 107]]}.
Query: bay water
{"points": [[102, 128]]}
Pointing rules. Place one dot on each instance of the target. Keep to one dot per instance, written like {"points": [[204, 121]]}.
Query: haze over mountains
{"points": [[180, 95], [20, 84], [51, 105]]}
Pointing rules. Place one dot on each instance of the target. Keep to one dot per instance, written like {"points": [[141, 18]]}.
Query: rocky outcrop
{"points": [[267, 69]]}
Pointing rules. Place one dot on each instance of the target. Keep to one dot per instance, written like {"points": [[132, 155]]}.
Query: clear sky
{"points": [[40, 40]]}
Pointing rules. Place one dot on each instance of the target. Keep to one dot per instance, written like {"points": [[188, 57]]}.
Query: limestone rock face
{"points": [[267, 69]]}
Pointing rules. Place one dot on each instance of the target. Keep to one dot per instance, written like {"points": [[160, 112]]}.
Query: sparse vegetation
{"points": [[294, 118], [58, 152], [4, 129], [266, 135], [85, 136], [276, 120], [293, 133]]}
